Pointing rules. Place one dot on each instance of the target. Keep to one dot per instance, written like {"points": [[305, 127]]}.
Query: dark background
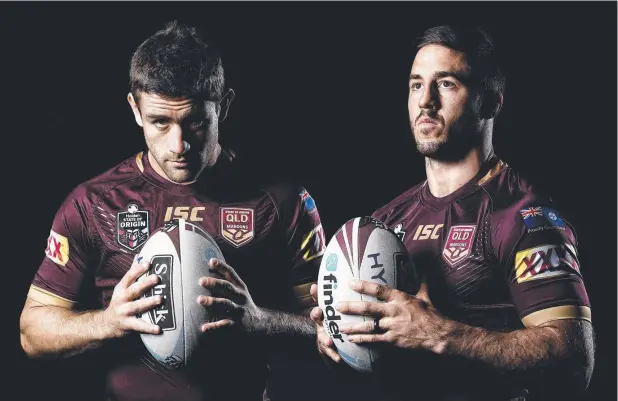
{"points": [[321, 98]]}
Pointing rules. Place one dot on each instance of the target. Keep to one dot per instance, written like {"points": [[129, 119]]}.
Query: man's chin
{"points": [[428, 147], [452, 151], [181, 176]]}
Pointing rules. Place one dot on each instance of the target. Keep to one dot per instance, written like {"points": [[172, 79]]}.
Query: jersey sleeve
{"points": [[537, 249], [60, 276], [305, 242], [380, 214]]}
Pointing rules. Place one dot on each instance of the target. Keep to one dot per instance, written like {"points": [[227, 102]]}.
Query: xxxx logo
{"points": [[57, 248], [545, 261]]}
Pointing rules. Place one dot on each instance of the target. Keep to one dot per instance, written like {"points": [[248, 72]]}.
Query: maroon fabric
{"points": [[474, 279], [262, 241]]}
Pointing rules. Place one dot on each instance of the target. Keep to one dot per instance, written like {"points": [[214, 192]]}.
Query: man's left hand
{"points": [[403, 320], [230, 299]]}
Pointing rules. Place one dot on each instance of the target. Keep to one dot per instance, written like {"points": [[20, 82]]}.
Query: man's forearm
{"points": [[51, 331], [274, 323], [284, 333], [561, 350]]}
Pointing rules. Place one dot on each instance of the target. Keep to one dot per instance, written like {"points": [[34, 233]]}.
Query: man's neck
{"points": [[445, 177]]}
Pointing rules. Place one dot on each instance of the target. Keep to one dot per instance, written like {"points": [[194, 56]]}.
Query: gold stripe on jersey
{"points": [[47, 298], [303, 295], [139, 162], [318, 243], [557, 313], [491, 173]]}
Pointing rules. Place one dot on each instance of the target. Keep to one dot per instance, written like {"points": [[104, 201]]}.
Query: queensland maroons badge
{"points": [[132, 228], [458, 244], [237, 225]]}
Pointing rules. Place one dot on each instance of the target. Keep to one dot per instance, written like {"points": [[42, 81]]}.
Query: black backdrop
{"points": [[321, 92]]}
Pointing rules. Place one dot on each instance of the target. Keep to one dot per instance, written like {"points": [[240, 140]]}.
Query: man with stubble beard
{"points": [[85, 298], [502, 312]]}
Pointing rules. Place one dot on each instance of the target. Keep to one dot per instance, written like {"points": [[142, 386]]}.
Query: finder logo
{"points": [[328, 286]]}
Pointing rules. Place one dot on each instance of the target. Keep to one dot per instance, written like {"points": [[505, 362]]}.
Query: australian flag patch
{"points": [[537, 216], [308, 201]]}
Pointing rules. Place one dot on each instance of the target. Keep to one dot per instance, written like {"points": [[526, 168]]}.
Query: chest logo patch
{"points": [[132, 227], [237, 225], [458, 244]]}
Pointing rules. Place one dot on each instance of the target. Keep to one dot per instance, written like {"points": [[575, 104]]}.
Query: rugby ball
{"points": [[178, 253], [363, 248]]}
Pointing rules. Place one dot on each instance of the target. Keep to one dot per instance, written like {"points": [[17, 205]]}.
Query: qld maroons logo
{"points": [[458, 244], [132, 228], [237, 225]]}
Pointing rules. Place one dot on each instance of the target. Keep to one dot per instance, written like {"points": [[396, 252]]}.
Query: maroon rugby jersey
{"points": [[496, 254], [271, 236]]}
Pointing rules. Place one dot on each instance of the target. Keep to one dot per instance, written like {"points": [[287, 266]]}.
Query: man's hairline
{"points": [[136, 97]]}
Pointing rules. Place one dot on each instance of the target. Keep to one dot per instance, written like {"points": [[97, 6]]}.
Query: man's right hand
{"points": [[325, 343], [126, 303]]}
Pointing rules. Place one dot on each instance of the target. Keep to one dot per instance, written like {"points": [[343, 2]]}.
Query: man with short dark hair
{"points": [[85, 295], [502, 312]]}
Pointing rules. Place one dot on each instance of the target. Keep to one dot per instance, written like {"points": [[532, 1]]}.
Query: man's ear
{"points": [[136, 112], [492, 104], [224, 104]]}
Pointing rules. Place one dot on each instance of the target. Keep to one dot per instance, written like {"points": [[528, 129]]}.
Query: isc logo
{"points": [[184, 212], [428, 231]]}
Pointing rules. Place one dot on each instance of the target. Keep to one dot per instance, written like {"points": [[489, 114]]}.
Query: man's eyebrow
{"points": [[160, 117], [195, 112], [442, 74], [453, 74]]}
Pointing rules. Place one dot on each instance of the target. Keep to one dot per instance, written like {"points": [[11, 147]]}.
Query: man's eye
{"points": [[447, 84], [415, 86], [160, 124]]}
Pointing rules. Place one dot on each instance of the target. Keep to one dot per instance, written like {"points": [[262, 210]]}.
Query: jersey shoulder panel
{"points": [[123, 172], [85, 196], [520, 208], [287, 197], [403, 200], [508, 189]]}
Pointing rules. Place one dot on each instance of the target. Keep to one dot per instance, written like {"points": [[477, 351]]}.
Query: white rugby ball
{"points": [[178, 253], [363, 248]]}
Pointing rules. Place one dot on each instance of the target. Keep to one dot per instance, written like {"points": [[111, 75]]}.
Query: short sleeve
{"points": [[305, 243], [61, 274], [537, 249]]}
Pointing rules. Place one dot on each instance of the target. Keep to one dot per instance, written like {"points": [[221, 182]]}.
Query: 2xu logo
{"points": [[184, 212], [163, 316]]}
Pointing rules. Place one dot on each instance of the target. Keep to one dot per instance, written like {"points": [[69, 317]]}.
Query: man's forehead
{"points": [[156, 102], [433, 58]]}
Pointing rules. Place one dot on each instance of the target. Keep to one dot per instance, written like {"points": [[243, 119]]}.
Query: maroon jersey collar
{"points": [[486, 172]]}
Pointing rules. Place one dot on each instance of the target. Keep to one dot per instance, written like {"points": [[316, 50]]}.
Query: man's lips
{"points": [[427, 120], [179, 163]]}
